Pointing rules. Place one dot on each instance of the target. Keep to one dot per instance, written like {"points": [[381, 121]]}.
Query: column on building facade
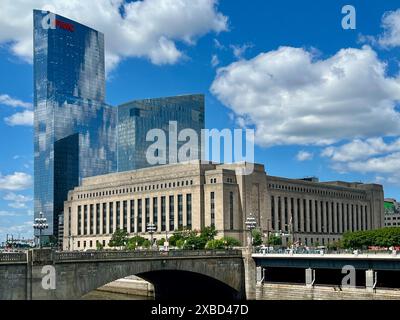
{"points": [[345, 219], [167, 216], [94, 216], [368, 214], [302, 215], [117, 213], [121, 214], [136, 214], [283, 210], [159, 220], [128, 219], [330, 216], [347, 209], [322, 221], [184, 211], [83, 219], [325, 212], [79, 225], [100, 218], [276, 214], [144, 226], [110, 215], [355, 216], [289, 221], [107, 217], [351, 217], [115, 224], [361, 219], [151, 211], [365, 216], [296, 217], [176, 210], [87, 219], [314, 210], [308, 218], [334, 218]]}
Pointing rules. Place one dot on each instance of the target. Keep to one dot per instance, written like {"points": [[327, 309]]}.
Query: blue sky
{"points": [[323, 100]]}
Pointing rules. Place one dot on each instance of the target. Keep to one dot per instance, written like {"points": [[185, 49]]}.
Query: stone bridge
{"points": [[179, 275]]}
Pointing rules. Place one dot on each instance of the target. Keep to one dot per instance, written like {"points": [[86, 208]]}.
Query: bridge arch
{"points": [[169, 275]]}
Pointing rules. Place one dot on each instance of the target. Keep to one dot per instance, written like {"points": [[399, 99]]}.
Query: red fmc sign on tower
{"points": [[64, 25]]}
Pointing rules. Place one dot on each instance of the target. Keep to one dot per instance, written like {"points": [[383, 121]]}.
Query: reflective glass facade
{"points": [[136, 118], [74, 129]]}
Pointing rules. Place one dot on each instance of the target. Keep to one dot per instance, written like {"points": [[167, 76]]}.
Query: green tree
{"points": [[274, 240], [385, 237], [195, 243], [134, 242], [208, 233], [99, 246], [181, 234], [215, 244], [160, 242], [119, 238], [257, 237], [180, 243], [146, 244], [231, 242], [335, 245]]}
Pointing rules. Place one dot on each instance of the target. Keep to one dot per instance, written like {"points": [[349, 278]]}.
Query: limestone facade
{"points": [[197, 194]]}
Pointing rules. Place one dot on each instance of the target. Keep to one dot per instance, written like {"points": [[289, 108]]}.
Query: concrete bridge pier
{"points": [[250, 274], [310, 277], [371, 278]]}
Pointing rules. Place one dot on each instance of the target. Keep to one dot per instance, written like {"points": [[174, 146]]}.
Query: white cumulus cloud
{"points": [[360, 149], [390, 35], [304, 155], [292, 97], [17, 197], [24, 118], [5, 99], [149, 28], [15, 181], [372, 155], [17, 201]]}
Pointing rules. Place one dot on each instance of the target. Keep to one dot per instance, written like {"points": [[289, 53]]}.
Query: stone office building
{"points": [[392, 213], [194, 195]]}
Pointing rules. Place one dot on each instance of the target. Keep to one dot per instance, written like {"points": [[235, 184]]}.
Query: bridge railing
{"points": [[12, 257], [319, 251], [110, 255]]}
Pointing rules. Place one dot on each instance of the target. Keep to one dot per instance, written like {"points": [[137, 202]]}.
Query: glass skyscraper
{"points": [[74, 129], [137, 118], [76, 134]]}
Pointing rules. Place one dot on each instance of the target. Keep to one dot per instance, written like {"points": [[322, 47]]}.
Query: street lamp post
{"points": [[40, 224], [166, 243], [151, 228], [251, 224]]}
